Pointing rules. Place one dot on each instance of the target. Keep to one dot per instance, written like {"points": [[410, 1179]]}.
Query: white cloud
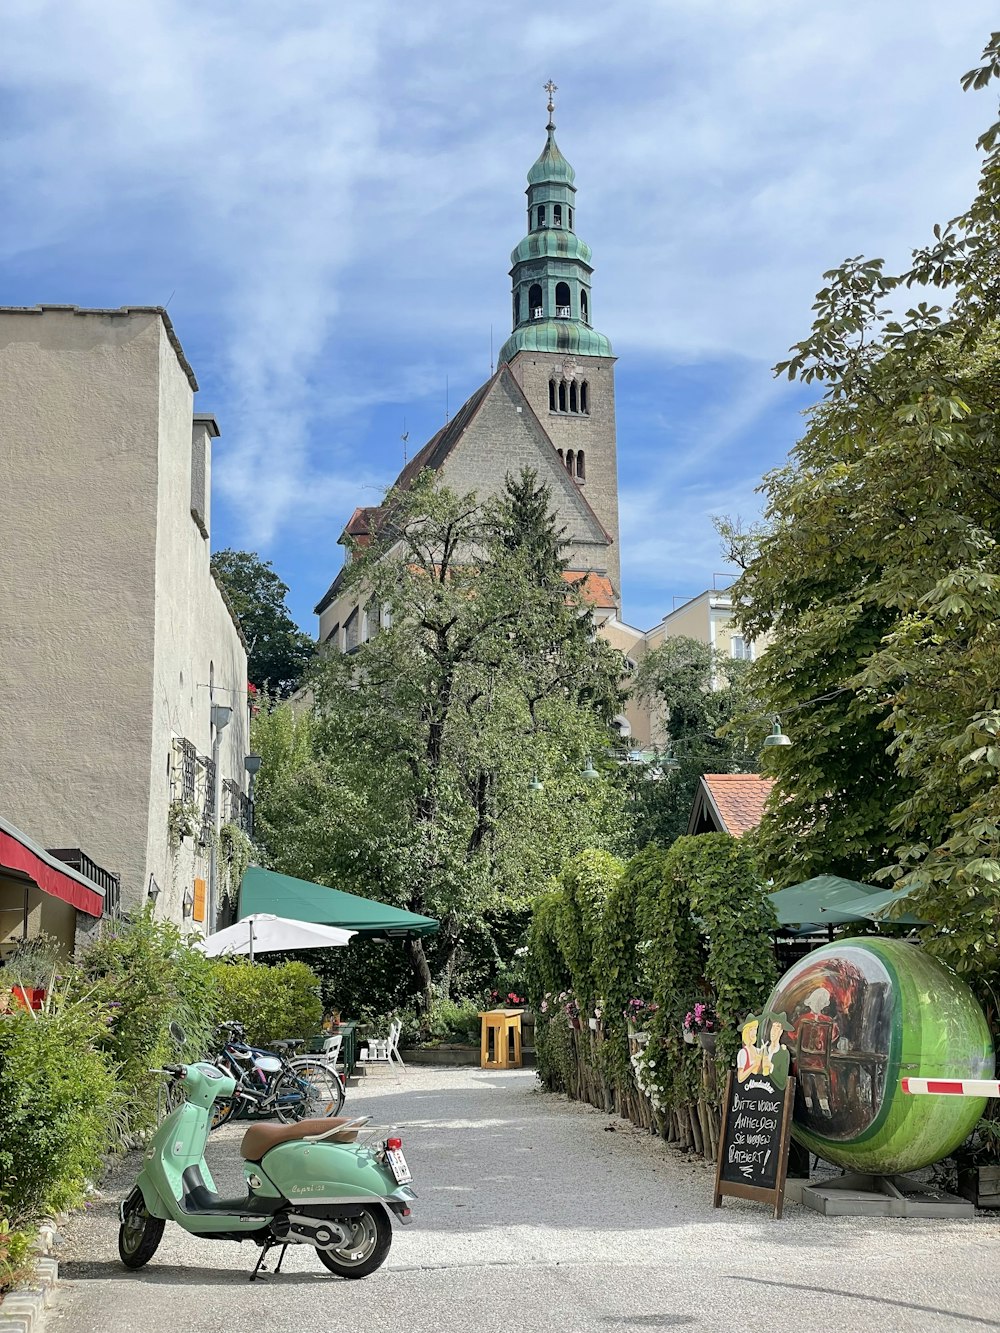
{"points": [[332, 193]]}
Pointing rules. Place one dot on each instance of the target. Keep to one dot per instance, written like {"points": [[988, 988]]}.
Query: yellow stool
{"points": [[501, 1040]]}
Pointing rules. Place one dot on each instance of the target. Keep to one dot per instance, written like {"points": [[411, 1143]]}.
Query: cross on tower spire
{"points": [[551, 89]]}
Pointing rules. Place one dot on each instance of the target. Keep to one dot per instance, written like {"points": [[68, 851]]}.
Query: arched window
{"points": [[517, 307], [535, 300], [557, 215], [539, 217], [574, 405], [570, 212], [561, 459], [584, 398], [569, 461], [584, 306], [562, 395], [581, 471], [552, 395], [563, 310]]}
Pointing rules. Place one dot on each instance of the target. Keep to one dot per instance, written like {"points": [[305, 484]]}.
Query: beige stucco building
{"points": [[708, 618], [115, 641]]}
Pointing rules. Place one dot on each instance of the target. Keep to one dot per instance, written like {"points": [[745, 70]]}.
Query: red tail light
{"points": [[394, 1145]]}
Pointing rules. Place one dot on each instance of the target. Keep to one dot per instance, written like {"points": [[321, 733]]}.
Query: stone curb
{"points": [[23, 1310]]}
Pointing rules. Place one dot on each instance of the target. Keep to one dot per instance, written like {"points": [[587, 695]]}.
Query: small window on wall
{"points": [[552, 395], [570, 462], [581, 472], [584, 398], [740, 649], [574, 405], [561, 459], [562, 396]]}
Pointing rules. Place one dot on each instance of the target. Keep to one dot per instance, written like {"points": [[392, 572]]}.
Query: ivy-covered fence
{"points": [[618, 954]]}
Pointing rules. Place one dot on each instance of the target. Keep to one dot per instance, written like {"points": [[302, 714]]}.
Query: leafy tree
{"points": [[696, 694], [878, 575], [485, 674], [277, 650]]}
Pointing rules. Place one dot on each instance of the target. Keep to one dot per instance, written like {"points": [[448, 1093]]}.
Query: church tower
{"points": [[563, 365]]}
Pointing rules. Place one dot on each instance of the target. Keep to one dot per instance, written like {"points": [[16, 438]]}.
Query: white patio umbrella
{"points": [[266, 933]]}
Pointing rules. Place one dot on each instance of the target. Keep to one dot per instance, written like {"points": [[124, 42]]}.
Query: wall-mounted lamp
{"points": [[188, 902], [221, 713], [153, 890]]}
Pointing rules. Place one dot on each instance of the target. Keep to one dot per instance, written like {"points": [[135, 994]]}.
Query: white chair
{"points": [[331, 1048], [385, 1050]]}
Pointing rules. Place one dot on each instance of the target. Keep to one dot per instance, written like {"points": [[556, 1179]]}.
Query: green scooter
{"points": [[307, 1184]]}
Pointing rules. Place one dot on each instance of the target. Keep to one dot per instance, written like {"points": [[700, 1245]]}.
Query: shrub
{"points": [[145, 975], [272, 1002], [15, 1254], [59, 1107]]}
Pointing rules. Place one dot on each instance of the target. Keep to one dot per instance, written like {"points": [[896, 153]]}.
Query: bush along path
{"points": [[75, 1081], [621, 959]]}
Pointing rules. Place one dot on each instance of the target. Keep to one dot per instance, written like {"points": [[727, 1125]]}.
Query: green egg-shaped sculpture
{"points": [[864, 1014]]}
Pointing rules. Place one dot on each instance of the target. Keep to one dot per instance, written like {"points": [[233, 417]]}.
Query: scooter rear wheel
{"points": [[140, 1233], [367, 1248]]}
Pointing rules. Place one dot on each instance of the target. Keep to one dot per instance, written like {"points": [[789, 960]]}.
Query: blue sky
{"points": [[327, 197]]}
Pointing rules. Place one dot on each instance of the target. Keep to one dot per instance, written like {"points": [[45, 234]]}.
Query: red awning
{"points": [[63, 884]]}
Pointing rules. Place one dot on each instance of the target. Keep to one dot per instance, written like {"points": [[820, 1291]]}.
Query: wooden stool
{"points": [[501, 1039]]}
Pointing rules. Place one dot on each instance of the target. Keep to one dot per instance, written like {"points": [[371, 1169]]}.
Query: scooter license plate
{"points": [[397, 1165]]}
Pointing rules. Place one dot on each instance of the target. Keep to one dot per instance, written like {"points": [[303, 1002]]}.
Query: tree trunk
{"points": [[421, 970]]}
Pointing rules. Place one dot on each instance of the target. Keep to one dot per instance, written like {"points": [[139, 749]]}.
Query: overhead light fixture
{"points": [[590, 773], [221, 713], [535, 784], [252, 764], [777, 736]]}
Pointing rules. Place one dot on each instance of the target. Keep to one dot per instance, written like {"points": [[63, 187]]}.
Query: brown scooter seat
{"points": [[260, 1139]]}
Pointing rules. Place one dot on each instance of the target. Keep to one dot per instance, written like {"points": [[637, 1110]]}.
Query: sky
{"points": [[325, 197]]}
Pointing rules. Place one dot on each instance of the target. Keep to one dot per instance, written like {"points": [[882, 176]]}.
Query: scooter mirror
{"points": [[178, 1033]]}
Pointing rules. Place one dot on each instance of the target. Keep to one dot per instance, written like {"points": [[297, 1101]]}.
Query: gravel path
{"points": [[538, 1214]]}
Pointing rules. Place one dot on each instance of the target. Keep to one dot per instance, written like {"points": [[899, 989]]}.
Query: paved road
{"points": [[537, 1215]]}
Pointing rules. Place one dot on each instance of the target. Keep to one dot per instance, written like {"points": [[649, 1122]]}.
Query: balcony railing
{"points": [[537, 312], [564, 312]]}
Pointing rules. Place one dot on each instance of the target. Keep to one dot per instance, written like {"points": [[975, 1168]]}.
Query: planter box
{"points": [[688, 1036], [981, 1184], [29, 997], [707, 1040]]}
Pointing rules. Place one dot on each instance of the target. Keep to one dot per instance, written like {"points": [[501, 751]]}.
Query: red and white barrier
{"points": [[953, 1087]]}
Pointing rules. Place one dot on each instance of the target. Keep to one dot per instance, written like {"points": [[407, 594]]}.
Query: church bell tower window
{"points": [[557, 215], [584, 306], [535, 300], [539, 217], [563, 308]]}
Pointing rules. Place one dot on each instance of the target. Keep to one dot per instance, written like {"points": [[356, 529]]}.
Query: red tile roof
{"points": [[593, 588], [739, 798]]}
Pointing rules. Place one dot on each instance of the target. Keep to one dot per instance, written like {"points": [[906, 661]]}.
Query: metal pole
{"points": [[251, 941]]}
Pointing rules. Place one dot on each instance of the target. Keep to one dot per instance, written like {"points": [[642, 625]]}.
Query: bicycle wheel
{"points": [[320, 1091]]}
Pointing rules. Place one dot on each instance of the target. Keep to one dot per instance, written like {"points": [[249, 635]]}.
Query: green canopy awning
{"points": [[266, 891], [829, 900]]}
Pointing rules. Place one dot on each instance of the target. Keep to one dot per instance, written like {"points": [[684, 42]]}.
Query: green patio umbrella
{"points": [[829, 900], [300, 900]]}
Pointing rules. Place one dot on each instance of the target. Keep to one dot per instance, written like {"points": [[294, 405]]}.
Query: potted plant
{"points": [[596, 1024], [979, 1165], [637, 1013], [32, 968], [700, 1024], [571, 1008]]}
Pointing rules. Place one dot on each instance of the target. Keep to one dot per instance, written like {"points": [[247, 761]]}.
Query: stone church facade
{"points": [[549, 407]]}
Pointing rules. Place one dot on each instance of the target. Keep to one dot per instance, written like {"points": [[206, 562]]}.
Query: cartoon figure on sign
{"points": [[749, 1057], [775, 1059]]}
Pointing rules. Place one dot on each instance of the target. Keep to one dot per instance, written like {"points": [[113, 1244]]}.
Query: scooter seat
{"points": [[260, 1139]]}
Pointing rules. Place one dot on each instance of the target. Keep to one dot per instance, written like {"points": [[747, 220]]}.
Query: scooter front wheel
{"points": [[370, 1238], [140, 1232]]}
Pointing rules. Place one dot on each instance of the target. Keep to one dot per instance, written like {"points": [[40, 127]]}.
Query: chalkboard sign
{"points": [[753, 1144]]}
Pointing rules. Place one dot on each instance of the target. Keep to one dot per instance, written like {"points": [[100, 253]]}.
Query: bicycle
{"points": [[272, 1084]]}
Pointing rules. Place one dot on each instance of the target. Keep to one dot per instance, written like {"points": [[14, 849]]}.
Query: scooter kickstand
{"points": [[284, 1251], [259, 1266]]}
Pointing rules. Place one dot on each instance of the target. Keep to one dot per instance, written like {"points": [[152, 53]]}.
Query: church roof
{"points": [[552, 244], [435, 453], [551, 165], [556, 335]]}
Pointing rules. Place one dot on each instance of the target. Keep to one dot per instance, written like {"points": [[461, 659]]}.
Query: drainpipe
{"points": [[221, 714]]}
